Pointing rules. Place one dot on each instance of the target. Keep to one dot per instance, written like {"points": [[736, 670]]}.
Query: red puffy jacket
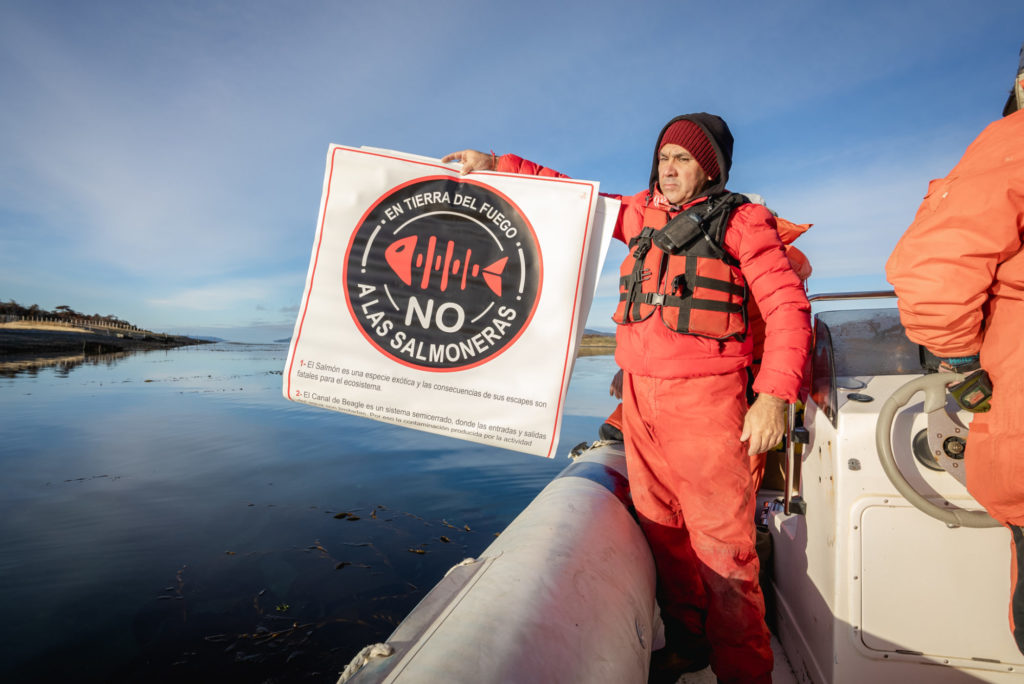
{"points": [[649, 348]]}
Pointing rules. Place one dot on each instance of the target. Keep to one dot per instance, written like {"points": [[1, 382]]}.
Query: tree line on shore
{"points": [[62, 312]]}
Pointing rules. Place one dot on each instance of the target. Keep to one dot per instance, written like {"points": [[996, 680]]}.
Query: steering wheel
{"points": [[946, 439]]}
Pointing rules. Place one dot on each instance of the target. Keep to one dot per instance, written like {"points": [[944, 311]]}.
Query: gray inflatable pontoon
{"points": [[564, 594]]}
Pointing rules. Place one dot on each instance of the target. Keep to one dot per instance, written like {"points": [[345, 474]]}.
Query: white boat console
{"points": [[870, 586]]}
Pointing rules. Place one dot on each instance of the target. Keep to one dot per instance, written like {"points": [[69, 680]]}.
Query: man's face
{"points": [[679, 175]]}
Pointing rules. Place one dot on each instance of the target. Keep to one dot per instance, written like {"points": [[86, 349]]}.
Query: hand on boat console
{"points": [[765, 423], [472, 160]]}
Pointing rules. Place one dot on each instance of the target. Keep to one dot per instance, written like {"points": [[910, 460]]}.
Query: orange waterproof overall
{"points": [[959, 275], [684, 400]]}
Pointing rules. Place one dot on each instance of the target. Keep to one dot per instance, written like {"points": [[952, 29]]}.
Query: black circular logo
{"points": [[442, 274]]}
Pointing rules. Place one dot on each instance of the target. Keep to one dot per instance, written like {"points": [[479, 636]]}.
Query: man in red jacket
{"points": [[697, 254]]}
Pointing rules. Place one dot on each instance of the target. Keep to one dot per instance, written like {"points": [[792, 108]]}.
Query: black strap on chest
{"points": [[681, 294], [700, 230], [633, 283]]}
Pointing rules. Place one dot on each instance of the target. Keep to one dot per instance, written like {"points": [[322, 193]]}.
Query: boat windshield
{"points": [[870, 342], [851, 346]]}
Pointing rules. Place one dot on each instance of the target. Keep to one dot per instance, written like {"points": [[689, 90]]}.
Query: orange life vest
{"points": [[698, 288]]}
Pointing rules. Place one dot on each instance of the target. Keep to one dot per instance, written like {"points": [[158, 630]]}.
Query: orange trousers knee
{"points": [[690, 478]]}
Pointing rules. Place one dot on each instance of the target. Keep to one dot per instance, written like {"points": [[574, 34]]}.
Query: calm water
{"points": [[168, 516]]}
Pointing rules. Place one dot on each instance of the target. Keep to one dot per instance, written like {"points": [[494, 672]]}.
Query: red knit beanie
{"points": [[689, 135]]}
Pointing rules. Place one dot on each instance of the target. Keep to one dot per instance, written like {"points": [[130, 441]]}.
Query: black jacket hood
{"points": [[718, 133]]}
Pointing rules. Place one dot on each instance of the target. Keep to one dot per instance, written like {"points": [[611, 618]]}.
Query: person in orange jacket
{"points": [[683, 344], [958, 272]]}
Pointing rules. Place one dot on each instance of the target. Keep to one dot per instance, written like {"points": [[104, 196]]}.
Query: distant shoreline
{"points": [[596, 344], [27, 341], [22, 339]]}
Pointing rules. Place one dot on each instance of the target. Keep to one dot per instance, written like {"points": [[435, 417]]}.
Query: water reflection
{"points": [[169, 515], [62, 364]]}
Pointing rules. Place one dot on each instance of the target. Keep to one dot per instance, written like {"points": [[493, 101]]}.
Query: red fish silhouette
{"points": [[402, 258]]}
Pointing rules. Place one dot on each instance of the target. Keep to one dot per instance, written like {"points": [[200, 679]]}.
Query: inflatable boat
{"points": [[883, 568]]}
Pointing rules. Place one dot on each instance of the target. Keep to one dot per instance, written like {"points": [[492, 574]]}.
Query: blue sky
{"points": [[163, 161]]}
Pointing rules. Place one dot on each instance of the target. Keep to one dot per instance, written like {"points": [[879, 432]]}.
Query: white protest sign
{"points": [[446, 303]]}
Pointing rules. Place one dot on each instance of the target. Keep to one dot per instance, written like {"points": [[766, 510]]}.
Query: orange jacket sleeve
{"points": [[780, 297], [510, 163], [802, 267], [945, 266]]}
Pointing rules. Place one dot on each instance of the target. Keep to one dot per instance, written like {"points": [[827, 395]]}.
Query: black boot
{"points": [[683, 652]]}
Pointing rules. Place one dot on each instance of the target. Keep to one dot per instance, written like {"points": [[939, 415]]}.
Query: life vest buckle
{"points": [[656, 299], [643, 242]]}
